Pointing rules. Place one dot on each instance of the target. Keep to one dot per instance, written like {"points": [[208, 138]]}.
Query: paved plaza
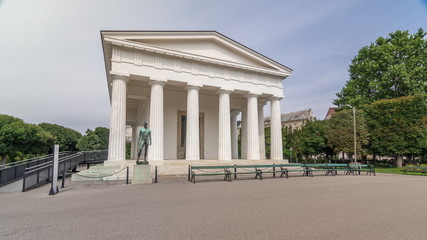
{"points": [[322, 207]]}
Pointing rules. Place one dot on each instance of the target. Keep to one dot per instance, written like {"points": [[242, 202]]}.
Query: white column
{"points": [[252, 128], [192, 146], [261, 130], [276, 130], [224, 131], [117, 136], [155, 151], [234, 135], [244, 134], [134, 143]]}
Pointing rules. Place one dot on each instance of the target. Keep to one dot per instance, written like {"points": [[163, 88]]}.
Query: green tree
{"points": [[94, 140], [340, 132], [89, 142], [18, 138], [390, 67], [103, 134], [314, 141], [67, 138], [267, 142], [398, 127]]}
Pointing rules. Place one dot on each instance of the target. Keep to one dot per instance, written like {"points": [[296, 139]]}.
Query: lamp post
{"points": [[354, 125]]}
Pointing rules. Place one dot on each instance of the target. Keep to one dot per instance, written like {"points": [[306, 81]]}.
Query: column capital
{"points": [[157, 81], [225, 89], [276, 98], [252, 94], [195, 86], [118, 75]]}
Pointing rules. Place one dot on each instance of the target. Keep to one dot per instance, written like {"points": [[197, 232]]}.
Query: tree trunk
{"points": [[398, 160]]}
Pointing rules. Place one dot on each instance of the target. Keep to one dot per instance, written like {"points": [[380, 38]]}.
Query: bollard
{"points": [[63, 178], [235, 171], [127, 175], [189, 169], [23, 183], [155, 174]]}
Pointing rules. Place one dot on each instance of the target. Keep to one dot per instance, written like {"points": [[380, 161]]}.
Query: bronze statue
{"points": [[144, 140]]}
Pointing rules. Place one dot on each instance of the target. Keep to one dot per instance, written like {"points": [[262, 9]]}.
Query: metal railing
{"points": [[41, 174], [11, 172]]}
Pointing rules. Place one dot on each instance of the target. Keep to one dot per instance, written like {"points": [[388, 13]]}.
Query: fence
{"points": [[41, 174], [14, 171]]}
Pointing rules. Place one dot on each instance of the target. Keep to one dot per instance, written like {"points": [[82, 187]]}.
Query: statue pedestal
{"points": [[142, 174]]}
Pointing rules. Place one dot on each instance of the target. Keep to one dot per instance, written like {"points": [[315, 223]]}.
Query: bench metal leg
{"points": [[193, 178]]}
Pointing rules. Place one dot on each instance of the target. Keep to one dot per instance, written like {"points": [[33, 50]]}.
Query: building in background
{"points": [[294, 120], [330, 113]]}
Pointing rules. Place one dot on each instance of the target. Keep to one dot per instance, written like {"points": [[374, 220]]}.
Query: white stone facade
{"points": [[190, 87]]}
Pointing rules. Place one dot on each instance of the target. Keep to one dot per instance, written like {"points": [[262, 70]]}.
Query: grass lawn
{"points": [[393, 171]]}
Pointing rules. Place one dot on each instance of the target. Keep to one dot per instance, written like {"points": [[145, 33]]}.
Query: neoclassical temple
{"points": [[190, 86]]}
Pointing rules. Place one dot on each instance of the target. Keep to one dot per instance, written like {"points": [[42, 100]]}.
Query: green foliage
{"points": [[66, 138], [89, 142], [18, 139], [391, 67], [310, 140], [103, 134], [94, 140], [340, 133], [267, 134], [398, 126], [314, 138]]}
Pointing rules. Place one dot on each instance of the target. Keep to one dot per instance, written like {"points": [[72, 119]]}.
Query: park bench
{"points": [[422, 170], [357, 168], [333, 168], [247, 169], [204, 171], [302, 168], [270, 168]]}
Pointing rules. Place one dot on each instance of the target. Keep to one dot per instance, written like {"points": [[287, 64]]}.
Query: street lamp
{"points": [[354, 125]]}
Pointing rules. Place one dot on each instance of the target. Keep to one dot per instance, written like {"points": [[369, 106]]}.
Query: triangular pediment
{"points": [[211, 45]]}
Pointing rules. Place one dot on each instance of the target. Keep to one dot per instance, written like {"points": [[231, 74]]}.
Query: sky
{"points": [[52, 67]]}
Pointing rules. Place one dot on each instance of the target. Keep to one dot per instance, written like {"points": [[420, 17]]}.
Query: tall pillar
{"points": [[134, 143], [252, 128], [234, 135], [276, 130], [192, 146], [244, 134], [261, 130], [117, 136], [224, 131], [155, 151]]}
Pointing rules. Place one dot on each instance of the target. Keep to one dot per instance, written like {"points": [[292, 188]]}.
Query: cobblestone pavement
{"points": [[322, 207]]}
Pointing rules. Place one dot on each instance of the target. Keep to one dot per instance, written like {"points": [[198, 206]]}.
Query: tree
{"points": [[340, 132], [66, 138], [18, 138], [398, 127], [314, 139], [103, 133], [390, 67], [89, 142], [94, 140]]}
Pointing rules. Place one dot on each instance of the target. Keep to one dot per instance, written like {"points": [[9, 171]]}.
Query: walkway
{"points": [[323, 207]]}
